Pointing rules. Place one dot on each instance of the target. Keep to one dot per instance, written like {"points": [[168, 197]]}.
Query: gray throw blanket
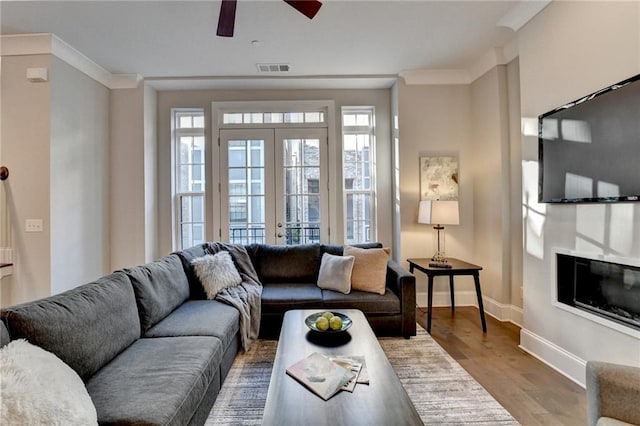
{"points": [[245, 297]]}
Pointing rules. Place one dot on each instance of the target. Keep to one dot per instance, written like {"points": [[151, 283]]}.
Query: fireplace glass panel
{"points": [[607, 289]]}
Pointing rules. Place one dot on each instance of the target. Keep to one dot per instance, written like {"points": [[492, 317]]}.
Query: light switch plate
{"points": [[33, 225]]}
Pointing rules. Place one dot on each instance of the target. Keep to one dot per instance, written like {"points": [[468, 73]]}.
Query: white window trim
{"points": [[371, 130], [176, 133], [336, 233]]}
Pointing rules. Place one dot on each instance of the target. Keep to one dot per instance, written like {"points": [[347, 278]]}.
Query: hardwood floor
{"points": [[532, 392]]}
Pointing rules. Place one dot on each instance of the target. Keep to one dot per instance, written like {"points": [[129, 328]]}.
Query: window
{"points": [[273, 117], [189, 177], [358, 154]]}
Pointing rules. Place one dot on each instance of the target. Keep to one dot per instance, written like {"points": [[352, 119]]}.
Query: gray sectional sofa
{"points": [[152, 350]]}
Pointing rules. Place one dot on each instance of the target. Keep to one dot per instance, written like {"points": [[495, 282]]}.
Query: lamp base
{"points": [[439, 260], [435, 264]]}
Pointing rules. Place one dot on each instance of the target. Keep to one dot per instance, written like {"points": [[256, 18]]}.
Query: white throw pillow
{"points": [[335, 273], [216, 272], [37, 388]]}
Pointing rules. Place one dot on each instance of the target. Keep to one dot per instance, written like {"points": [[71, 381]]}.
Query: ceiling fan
{"points": [[227, 18]]}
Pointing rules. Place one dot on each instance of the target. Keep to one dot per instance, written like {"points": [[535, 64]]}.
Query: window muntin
{"points": [[302, 190], [246, 177], [358, 152], [189, 176], [292, 117]]}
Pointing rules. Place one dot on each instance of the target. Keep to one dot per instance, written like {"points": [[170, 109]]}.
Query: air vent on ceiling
{"points": [[273, 67]]}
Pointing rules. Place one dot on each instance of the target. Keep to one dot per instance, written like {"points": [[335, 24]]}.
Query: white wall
{"points": [[54, 141], [127, 178], [134, 176], [567, 51], [26, 135], [150, 173], [490, 152], [435, 120], [202, 99], [79, 177], [515, 187], [473, 121]]}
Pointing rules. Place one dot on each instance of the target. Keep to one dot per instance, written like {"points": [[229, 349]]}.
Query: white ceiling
{"points": [[354, 38]]}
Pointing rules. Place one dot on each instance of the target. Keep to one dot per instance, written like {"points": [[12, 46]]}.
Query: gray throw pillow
{"points": [[335, 273], [216, 272]]}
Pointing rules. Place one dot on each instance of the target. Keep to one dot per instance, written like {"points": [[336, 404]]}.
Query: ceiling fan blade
{"points": [[308, 8], [227, 18]]}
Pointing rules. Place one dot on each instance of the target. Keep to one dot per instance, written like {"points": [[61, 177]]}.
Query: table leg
{"points": [[429, 303], [453, 297], [476, 279]]}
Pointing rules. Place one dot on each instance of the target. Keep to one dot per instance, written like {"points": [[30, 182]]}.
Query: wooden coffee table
{"points": [[383, 402]]}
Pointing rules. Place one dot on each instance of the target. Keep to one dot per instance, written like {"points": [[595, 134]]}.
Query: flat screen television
{"points": [[589, 149]]}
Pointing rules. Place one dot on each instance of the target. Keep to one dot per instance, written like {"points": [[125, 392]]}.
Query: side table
{"points": [[458, 267]]}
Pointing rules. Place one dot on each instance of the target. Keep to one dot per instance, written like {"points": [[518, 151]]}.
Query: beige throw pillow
{"points": [[369, 269], [335, 273], [216, 272]]}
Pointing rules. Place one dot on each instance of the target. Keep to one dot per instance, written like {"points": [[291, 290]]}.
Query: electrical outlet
{"points": [[33, 225]]}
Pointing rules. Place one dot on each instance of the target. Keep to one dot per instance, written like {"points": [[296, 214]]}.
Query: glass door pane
{"points": [[302, 186], [274, 186], [246, 176]]}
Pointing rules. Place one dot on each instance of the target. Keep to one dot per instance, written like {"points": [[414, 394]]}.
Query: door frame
{"points": [[334, 165]]}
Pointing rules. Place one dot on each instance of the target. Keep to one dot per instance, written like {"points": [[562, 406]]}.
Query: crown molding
{"points": [[429, 76], [488, 61], [50, 44], [77, 60], [124, 81], [515, 19], [25, 44], [522, 13]]}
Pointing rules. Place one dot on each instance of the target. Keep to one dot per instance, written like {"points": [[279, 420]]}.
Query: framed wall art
{"points": [[439, 178]]}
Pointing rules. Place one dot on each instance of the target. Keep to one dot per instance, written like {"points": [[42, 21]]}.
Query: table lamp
{"points": [[439, 213]]}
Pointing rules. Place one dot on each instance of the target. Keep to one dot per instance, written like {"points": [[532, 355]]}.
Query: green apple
{"points": [[322, 324], [328, 315], [335, 323]]}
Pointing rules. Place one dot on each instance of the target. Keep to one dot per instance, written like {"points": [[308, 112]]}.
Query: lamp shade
{"points": [[439, 212]]}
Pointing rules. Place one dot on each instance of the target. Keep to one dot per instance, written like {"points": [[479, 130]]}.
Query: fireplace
{"points": [[607, 289]]}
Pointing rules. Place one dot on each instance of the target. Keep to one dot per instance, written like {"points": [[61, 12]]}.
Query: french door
{"points": [[274, 186]]}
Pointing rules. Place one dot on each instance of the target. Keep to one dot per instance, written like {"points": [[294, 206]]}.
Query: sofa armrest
{"points": [[612, 391], [403, 283]]}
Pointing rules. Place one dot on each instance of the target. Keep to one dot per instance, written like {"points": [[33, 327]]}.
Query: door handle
{"points": [[279, 235], [279, 225]]}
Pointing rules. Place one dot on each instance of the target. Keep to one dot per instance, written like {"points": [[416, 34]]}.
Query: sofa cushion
{"points": [[85, 327], [37, 388], [367, 302], [199, 318], [160, 287], [158, 381], [186, 257], [286, 264], [338, 250], [278, 298], [216, 272], [369, 270], [335, 273]]}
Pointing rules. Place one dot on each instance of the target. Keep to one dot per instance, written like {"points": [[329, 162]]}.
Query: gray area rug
{"points": [[441, 390]]}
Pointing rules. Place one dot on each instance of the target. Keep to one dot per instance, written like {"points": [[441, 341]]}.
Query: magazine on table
{"points": [[357, 366], [321, 375]]}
